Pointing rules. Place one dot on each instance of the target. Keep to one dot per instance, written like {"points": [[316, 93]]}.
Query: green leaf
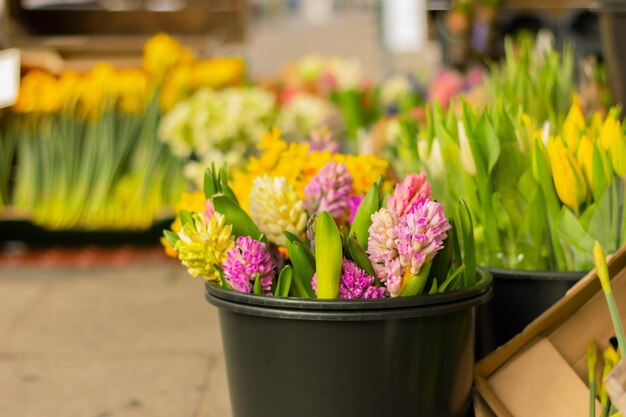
{"points": [[210, 182], [572, 232], [284, 282], [328, 257], [441, 261], [433, 288], [452, 280], [359, 256], [601, 175], [469, 251], [417, 282], [304, 268], [291, 237], [235, 216], [604, 223], [185, 217], [257, 286], [171, 237], [363, 217]]}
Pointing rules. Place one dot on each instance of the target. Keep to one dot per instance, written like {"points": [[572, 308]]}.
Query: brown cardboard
{"points": [[615, 384], [542, 371]]}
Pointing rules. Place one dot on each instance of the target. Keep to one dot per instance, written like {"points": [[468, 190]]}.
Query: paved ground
{"points": [[120, 341]]}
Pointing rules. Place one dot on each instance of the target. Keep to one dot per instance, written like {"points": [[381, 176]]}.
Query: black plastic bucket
{"points": [[519, 297], [402, 357], [613, 31]]}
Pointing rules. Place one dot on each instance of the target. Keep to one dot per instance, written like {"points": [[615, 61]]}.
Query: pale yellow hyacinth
{"points": [[276, 207], [203, 245]]}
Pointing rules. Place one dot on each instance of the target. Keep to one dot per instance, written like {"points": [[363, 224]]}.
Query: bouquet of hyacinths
{"points": [[328, 242], [539, 194]]}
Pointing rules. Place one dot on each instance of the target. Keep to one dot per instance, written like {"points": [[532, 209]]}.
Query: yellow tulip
{"points": [[217, 72], [574, 124], [584, 156], [133, 88], [176, 86], [613, 140], [161, 53], [566, 173], [39, 92]]}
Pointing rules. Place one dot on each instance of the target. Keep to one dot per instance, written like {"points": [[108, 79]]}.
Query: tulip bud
{"points": [[467, 158], [566, 173], [612, 139], [574, 124]]}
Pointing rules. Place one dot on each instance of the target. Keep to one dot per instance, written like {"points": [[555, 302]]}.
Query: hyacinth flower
{"points": [[246, 263], [354, 202], [329, 190], [402, 247], [203, 243], [355, 283], [407, 194], [275, 208]]}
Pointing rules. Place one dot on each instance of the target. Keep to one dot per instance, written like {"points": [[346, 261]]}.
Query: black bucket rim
{"points": [[532, 275], [341, 310]]}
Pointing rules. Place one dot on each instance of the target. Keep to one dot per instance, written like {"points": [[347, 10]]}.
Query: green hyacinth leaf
{"points": [[359, 256], [185, 217], [283, 284], [171, 237], [304, 269], [234, 215], [328, 257], [363, 217]]}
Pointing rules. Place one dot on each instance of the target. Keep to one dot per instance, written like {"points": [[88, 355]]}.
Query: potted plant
{"points": [[539, 194], [332, 302]]}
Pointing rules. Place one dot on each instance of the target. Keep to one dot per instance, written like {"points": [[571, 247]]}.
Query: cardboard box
{"points": [[543, 370], [616, 386]]}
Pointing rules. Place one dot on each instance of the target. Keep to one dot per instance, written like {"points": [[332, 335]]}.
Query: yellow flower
{"points": [[584, 156], [574, 124], [566, 173], [99, 89], [193, 202], [203, 245], [176, 86], [39, 92], [613, 140], [133, 90], [217, 72], [161, 53]]}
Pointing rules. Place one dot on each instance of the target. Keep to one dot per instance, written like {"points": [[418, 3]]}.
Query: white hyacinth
{"points": [[275, 207]]}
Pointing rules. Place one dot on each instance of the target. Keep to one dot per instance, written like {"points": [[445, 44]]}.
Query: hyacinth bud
{"points": [[414, 189], [329, 190], [568, 178]]}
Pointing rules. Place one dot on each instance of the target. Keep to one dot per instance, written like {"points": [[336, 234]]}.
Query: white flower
{"points": [[275, 207]]}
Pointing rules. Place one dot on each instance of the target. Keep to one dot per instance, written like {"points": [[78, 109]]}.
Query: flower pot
{"points": [[401, 357], [519, 297], [613, 29]]}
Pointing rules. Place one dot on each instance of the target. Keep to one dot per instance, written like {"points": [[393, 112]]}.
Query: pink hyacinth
{"points": [[399, 246], [354, 202], [248, 260], [322, 140], [355, 283], [329, 190], [209, 210], [414, 189], [420, 235]]}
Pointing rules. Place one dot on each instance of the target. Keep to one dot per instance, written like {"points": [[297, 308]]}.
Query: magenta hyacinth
{"points": [[354, 202], [329, 190], [414, 189], [246, 261], [399, 246], [355, 283]]}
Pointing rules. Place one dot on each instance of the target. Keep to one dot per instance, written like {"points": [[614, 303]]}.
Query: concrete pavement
{"points": [[109, 341]]}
